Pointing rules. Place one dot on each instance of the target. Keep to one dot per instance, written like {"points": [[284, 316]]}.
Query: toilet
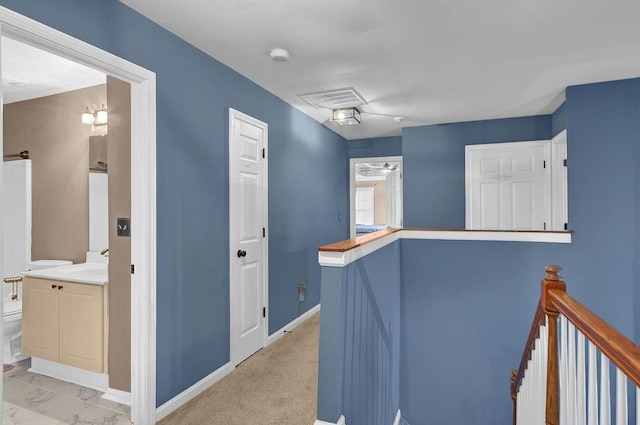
{"points": [[12, 314]]}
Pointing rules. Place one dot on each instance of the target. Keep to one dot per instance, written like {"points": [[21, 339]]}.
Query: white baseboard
{"points": [[193, 391], [118, 396], [398, 417], [290, 326], [341, 421], [85, 378]]}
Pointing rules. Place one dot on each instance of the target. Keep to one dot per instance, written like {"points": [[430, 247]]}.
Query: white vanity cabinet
{"points": [[65, 322]]}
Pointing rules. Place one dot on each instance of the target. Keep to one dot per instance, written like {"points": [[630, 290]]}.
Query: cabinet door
{"points": [[81, 326], [40, 314]]}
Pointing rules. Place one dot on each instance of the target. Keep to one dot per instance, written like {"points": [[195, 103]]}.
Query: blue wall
{"points": [[308, 177], [434, 158], [467, 306], [559, 119], [466, 312], [359, 370], [375, 147]]}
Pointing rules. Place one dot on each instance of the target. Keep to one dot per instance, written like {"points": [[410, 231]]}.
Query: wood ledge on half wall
{"points": [[358, 241]]}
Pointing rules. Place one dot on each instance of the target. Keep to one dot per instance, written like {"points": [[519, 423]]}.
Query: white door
{"points": [[247, 217], [559, 210], [507, 186]]}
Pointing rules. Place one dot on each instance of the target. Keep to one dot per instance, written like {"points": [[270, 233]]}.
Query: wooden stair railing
{"points": [[619, 350]]}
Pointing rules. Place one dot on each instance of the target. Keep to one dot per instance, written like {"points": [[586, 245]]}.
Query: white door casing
{"points": [[247, 234], [143, 193], [508, 186]]}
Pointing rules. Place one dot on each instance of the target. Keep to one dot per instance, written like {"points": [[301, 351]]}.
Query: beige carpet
{"points": [[276, 386]]}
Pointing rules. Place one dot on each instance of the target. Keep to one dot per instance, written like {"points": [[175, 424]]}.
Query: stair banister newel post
{"points": [[552, 281]]}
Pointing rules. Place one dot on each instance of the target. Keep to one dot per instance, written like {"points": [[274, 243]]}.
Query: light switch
{"points": [[124, 226]]}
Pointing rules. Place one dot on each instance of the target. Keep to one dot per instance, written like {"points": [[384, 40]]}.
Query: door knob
{"points": [[241, 253], [59, 287], [53, 286]]}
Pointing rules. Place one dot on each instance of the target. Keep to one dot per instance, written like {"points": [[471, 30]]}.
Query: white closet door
{"points": [[507, 186]]}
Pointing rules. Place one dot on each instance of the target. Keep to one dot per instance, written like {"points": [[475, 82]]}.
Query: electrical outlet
{"points": [[302, 288]]}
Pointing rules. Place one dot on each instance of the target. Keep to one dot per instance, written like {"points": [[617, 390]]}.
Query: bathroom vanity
{"points": [[65, 322]]}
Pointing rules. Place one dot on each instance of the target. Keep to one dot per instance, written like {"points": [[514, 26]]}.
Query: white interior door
{"points": [[559, 204], [508, 186], [247, 209]]}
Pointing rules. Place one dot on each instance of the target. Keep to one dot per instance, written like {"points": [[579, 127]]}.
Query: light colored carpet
{"points": [[276, 386]]}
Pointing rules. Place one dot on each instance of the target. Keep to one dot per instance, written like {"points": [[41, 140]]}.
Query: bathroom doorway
{"points": [[375, 191], [142, 186]]}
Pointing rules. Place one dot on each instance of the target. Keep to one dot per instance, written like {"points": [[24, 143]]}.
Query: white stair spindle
{"points": [[581, 413], [637, 406], [605, 400], [592, 401], [563, 371], [544, 344], [622, 413], [534, 379], [571, 374]]}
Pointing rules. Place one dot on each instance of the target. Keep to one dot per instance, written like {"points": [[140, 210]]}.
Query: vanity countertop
{"points": [[89, 273]]}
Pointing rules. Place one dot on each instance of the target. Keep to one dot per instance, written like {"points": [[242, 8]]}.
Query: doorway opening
{"points": [[375, 191], [143, 192]]}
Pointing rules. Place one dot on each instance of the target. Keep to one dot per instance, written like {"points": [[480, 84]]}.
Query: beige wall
{"points": [[379, 199], [50, 129], [119, 154]]}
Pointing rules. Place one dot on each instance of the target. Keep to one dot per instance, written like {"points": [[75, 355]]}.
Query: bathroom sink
{"points": [[90, 273], [90, 269]]}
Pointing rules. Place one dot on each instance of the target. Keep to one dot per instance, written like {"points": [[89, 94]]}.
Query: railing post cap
{"points": [[553, 272]]}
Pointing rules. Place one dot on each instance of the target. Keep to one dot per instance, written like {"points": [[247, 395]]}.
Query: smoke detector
{"points": [[279, 54]]}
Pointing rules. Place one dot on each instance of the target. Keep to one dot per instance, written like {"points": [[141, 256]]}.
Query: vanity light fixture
{"points": [[100, 117], [88, 117], [346, 116]]}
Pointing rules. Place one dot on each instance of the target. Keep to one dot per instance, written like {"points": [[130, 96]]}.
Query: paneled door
{"points": [[508, 186], [247, 219]]}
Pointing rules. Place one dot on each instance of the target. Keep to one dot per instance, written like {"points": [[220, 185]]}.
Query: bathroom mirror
{"points": [[98, 194]]}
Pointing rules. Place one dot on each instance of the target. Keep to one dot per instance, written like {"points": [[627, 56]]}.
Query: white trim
{"points": [[85, 378], [233, 320], [143, 192], [398, 417], [193, 391], [343, 258], [352, 185], [453, 235], [292, 325], [341, 421], [117, 396]]}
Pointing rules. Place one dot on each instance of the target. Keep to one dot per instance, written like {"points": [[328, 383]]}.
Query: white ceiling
{"points": [[429, 61], [29, 73]]}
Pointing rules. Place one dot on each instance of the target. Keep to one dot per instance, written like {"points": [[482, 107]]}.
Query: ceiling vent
{"points": [[334, 99]]}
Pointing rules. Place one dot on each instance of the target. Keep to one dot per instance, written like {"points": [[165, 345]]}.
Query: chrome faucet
{"points": [[105, 252]]}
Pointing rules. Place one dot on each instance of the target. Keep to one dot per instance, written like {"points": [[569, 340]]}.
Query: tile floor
{"points": [[31, 399]]}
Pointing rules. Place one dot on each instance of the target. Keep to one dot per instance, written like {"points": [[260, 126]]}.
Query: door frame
{"points": [[233, 313], [143, 193], [352, 186]]}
